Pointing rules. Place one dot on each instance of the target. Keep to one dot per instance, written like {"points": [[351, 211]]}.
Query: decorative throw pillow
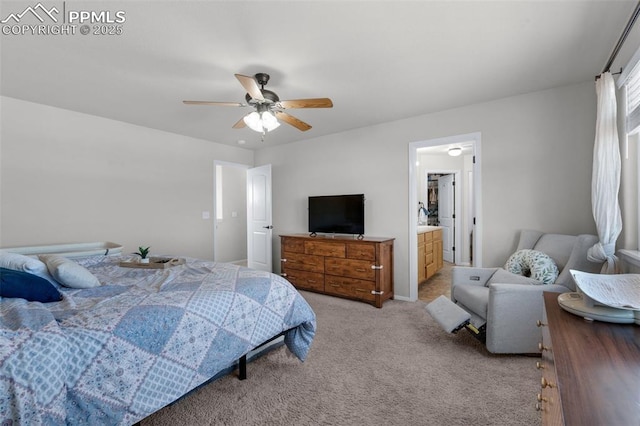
{"points": [[69, 273], [534, 264], [27, 286]]}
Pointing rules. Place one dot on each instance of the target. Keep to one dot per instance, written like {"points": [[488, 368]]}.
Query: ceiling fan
{"points": [[268, 106]]}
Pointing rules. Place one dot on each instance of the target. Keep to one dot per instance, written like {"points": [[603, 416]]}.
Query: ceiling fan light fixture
{"points": [[454, 152], [253, 121], [269, 121], [261, 122]]}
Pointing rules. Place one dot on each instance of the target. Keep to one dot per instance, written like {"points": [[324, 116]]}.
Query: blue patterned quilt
{"points": [[116, 353]]}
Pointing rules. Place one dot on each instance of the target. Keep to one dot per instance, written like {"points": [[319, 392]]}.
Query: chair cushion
{"points": [[473, 297], [534, 264], [556, 246], [502, 276]]}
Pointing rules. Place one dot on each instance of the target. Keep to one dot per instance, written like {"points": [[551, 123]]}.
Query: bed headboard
{"points": [[70, 250]]}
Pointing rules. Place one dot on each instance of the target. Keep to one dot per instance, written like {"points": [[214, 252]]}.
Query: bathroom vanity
{"points": [[429, 251]]}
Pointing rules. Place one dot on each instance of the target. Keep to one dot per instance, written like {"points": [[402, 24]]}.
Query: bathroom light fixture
{"points": [[454, 152]]}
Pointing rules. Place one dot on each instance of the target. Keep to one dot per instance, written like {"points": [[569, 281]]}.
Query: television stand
{"points": [[359, 269]]}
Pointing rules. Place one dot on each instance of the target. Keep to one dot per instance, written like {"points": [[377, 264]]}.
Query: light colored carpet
{"points": [[368, 366]]}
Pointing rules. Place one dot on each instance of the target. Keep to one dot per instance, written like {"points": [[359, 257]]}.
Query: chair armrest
{"points": [[512, 313], [464, 275]]}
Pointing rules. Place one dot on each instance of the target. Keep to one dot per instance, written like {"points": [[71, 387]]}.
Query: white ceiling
{"points": [[378, 61]]}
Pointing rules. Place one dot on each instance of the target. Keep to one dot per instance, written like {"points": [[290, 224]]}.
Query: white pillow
{"points": [[69, 273], [20, 262]]}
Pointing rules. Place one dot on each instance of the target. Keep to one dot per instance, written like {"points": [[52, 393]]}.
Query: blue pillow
{"points": [[27, 286]]}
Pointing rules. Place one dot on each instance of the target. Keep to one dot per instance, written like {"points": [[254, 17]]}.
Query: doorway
{"points": [[436, 156], [230, 212]]}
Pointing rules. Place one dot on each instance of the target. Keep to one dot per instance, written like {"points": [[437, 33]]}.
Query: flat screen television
{"points": [[337, 214]]}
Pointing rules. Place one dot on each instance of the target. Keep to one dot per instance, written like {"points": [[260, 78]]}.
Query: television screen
{"points": [[337, 214]]}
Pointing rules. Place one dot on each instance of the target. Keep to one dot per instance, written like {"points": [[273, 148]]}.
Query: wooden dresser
{"points": [[360, 269], [429, 254], [590, 370]]}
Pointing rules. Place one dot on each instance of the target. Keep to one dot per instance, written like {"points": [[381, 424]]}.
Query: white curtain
{"points": [[605, 180]]}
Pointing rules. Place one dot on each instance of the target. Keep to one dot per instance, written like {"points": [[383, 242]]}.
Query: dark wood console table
{"points": [[590, 370]]}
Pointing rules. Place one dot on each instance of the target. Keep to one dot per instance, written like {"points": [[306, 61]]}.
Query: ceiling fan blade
{"points": [[233, 104], [307, 103], [290, 119], [239, 124], [251, 86]]}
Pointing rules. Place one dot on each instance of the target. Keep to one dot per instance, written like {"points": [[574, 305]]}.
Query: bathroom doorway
{"points": [[443, 210], [458, 156]]}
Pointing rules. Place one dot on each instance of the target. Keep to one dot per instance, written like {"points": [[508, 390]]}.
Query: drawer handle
{"points": [[540, 324], [543, 348], [283, 260], [283, 274], [377, 266], [546, 384], [539, 365], [334, 285], [361, 290]]}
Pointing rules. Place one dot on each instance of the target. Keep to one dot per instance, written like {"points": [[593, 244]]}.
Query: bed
{"points": [[141, 339]]}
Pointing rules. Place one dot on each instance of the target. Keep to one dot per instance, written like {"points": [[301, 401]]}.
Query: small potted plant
{"points": [[143, 252]]}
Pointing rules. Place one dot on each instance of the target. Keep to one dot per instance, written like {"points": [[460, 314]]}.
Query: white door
{"points": [[259, 227], [446, 215]]}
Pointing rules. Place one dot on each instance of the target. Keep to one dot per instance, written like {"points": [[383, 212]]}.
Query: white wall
{"points": [[536, 170], [71, 177]]}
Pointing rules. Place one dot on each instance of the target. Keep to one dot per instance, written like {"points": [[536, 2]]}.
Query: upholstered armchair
{"points": [[506, 306]]}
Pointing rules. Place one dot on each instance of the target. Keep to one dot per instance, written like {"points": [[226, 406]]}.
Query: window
{"points": [[629, 83], [632, 89]]}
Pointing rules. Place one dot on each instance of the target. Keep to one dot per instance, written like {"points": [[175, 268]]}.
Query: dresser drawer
{"points": [[361, 251], [303, 262], [350, 268], [304, 279], [437, 235], [548, 398], [322, 248], [349, 287], [292, 245]]}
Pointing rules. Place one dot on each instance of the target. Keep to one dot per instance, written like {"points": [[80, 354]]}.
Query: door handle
{"points": [[268, 227]]}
